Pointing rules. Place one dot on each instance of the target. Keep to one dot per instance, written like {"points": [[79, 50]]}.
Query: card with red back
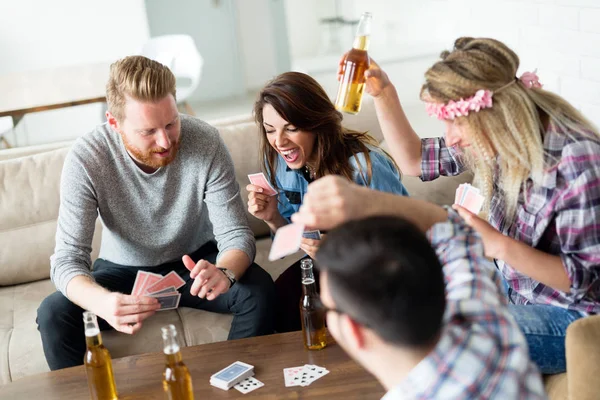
{"points": [[286, 241], [150, 280], [139, 283], [171, 279], [473, 201], [261, 180]]}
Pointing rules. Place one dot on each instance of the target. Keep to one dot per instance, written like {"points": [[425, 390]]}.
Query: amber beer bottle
{"points": [[97, 362], [177, 381], [314, 331], [352, 83]]}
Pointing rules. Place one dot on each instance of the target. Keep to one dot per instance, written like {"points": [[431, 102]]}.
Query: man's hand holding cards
{"points": [[162, 288]]}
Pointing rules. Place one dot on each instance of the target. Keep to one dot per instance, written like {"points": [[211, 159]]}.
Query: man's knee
{"points": [[257, 287], [52, 312]]}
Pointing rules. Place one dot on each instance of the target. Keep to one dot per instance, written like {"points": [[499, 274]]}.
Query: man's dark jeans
{"points": [[251, 301]]}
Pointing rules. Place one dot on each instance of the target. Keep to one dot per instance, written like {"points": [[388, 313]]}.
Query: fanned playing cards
{"points": [[163, 288], [469, 197]]}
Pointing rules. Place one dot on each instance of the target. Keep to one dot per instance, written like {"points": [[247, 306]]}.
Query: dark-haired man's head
{"points": [[384, 287]]}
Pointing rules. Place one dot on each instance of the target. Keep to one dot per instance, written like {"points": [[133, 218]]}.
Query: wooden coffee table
{"points": [[140, 376]]}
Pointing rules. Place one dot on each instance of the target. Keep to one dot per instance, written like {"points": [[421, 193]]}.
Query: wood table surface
{"points": [[32, 91], [140, 376]]}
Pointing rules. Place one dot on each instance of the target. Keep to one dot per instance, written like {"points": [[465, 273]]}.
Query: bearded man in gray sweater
{"points": [[164, 187]]}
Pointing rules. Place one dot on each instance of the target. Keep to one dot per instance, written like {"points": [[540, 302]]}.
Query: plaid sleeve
{"points": [[468, 273], [438, 159], [578, 216]]}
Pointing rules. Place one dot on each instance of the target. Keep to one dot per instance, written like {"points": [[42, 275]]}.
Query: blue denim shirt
{"points": [[293, 185]]}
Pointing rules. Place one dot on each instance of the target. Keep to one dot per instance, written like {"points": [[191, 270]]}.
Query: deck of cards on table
{"points": [[163, 288], [238, 375], [303, 375], [469, 197]]}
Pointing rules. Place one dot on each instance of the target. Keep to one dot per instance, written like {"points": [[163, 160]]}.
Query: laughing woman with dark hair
{"points": [[303, 140]]}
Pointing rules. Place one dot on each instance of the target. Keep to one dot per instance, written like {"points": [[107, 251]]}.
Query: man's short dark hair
{"points": [[383, 272]]}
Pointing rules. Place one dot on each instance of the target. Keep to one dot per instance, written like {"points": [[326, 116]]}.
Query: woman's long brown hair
{"points": [[302, 102]]}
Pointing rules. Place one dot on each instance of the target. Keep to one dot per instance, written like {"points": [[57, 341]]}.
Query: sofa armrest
{"points": [[583, 358]]}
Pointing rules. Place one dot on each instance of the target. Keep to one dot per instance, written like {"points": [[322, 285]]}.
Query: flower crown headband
{"points": [[480, 100]]}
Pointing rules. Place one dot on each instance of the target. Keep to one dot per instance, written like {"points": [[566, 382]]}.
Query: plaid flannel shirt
{"points": [[482, 353], [559, 216]]}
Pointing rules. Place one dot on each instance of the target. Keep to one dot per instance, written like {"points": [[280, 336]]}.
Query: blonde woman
{"points": [[536, 159]]}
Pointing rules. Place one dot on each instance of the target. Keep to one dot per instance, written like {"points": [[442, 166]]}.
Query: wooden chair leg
{"points": [[189, 109], [6, 143]]}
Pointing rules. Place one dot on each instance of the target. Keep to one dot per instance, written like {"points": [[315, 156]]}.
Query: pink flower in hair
{"points": [[461, 108], [531, 80]]}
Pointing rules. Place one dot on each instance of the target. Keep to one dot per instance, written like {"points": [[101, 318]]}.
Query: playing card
{"points": [[170, 289], [150, 280], [248, 385], [171, 279], [311, 373], [472, 201], [289, 375], [139, 282], [168, 302], [459, 192], [316, 235], [260, 180], [286, 241]]}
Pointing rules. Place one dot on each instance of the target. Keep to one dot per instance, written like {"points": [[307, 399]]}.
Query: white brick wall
{"points": [[561, 38]]}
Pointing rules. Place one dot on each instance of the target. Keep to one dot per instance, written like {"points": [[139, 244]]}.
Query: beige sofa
{"points": [[29, 200]]}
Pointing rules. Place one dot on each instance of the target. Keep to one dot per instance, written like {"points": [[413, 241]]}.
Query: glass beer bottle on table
{"points": [[97, 362], [314, 331], [352, 83], [177, 381]]}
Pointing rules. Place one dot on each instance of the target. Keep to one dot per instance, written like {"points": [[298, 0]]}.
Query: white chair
{"points": [[6, 126], [180, 54]]}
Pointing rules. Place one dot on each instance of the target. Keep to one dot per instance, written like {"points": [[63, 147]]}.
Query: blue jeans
{"points": [[545, 328]]}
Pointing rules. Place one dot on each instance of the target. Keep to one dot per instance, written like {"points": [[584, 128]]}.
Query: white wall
{"points": [[38, 34], [256, 42], [559, 37]]}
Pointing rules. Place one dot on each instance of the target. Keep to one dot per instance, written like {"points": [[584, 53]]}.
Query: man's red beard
{"points": [[147, 158]]}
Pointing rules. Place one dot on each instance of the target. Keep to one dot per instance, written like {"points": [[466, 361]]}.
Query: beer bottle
{"points": [[352, 84], [177, 381], [314, 331], [97, 362]]}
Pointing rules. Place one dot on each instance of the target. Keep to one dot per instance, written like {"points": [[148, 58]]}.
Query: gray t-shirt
{"points": [[149, 219]]}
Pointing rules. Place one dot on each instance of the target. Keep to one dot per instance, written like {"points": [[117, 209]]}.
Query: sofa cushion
{"points": [[556, 387], [583, 358], [242, 141]]}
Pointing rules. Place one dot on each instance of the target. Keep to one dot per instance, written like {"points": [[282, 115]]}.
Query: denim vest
{"points": [[293, 185]]}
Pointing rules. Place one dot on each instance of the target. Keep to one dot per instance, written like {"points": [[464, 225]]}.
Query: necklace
{"points": [[310, 172]]}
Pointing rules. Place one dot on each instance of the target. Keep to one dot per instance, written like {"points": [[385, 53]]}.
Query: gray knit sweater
{"points": [[149, 219]]}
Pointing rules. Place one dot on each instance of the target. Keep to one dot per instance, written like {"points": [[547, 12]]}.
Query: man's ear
{"points": [[112, 121], [354, 332]]}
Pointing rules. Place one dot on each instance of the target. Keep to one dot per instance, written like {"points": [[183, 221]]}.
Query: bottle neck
{"points": [[174, 358], [309, 288], [171, 346], [361, 42], [363, 32], [91, 329], [93, 340]]}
